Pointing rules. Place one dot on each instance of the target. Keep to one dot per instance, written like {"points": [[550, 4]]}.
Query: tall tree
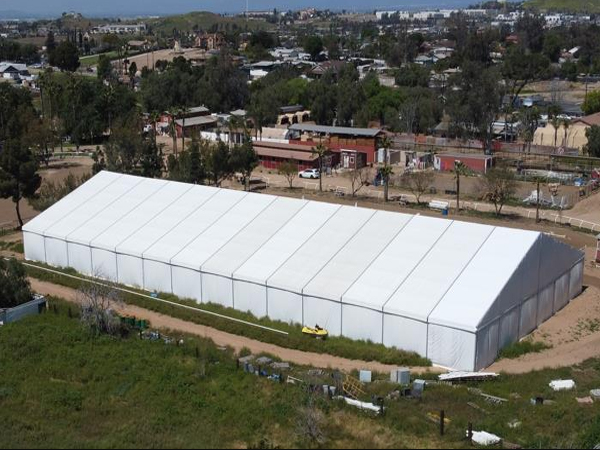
{"points": [[592, 148], [244, 159], [18, 174], [321, 151], [66, 57]]}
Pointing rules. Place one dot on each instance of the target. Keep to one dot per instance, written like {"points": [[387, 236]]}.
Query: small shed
{"points": [[476, 162]]}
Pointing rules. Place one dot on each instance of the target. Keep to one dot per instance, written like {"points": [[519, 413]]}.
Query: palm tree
{"points": [[459, 170], [321, 151], [566, 124], [183, 112]]}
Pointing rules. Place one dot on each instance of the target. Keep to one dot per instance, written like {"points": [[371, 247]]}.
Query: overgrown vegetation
{"points": [[14, 287], [335, 346], [97, 391], [523, 347]]}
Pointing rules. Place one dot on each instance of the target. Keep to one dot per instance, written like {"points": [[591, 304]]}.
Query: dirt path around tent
{"points": [[573, 333], [220, 338]]}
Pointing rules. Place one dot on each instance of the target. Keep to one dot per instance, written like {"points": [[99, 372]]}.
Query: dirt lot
{"points": [[57, 171]]}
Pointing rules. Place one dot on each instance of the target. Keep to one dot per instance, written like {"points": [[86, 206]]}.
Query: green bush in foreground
{"points": [[521, 348], [335, 346]]}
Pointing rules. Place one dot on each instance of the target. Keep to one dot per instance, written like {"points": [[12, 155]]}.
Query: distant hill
{"points": [[205, 21], [578, 6]]}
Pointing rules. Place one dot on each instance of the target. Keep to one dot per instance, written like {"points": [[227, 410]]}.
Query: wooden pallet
{"points": [[353, 388]]}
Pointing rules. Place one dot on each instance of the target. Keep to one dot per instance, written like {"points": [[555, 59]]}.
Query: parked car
{"points": [[310, 173]]}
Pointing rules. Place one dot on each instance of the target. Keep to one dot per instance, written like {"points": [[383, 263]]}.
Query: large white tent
{"points": [[452, 291]]}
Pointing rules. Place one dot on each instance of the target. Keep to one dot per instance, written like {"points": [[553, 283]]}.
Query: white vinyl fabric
{"points": [[451, 291]]}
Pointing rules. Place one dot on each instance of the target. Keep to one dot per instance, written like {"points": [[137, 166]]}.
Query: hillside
{"points": [[196, 21], [577, 6], [61, 387]]}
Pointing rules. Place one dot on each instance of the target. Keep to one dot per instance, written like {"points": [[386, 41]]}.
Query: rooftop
{"points": [[348, 131]]}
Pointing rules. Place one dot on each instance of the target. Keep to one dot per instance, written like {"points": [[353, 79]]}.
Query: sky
{"points": [[149, 7]]}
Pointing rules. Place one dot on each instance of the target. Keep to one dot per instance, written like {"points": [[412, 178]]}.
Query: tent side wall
{"points": [[217, 289], [131, 270], [405, 334], [325, 313], [250, 297], [34, 246], [451, 347], [362, 323], [285, 306]]}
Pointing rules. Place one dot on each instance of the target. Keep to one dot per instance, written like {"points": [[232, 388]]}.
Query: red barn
{"points": [[476, 162]]}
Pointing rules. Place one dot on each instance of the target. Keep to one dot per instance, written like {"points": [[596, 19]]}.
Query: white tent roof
{"points": [[116, 211], [308, 261], [285, 242], [162, 224], [395, 264], [195, 254], [194, 225], [435, 273], [357, 255], [75, 199], [482, 281], [133, 221], [248, 241], [86, 213]]}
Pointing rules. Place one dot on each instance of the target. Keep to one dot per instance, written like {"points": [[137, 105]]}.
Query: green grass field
{"points": [[59, 387], [92, 60], [579, 6]]}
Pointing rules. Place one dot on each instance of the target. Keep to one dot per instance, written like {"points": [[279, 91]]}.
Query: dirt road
{"points": [[573, 333], [220, 338]]}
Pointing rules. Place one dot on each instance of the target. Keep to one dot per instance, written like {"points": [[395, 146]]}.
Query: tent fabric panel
{"points": [[510, 324], [487, 345], [485, 278], [34, 247], [576, 280], [362, 323], [405, 334], [80, 258], [168, 219], [249, 297], [452, 348], [325, 313], [195, 254], [528, 320], [436, 273], [545, 304], [194, 225], [157, 276], [104, 264], [283, 244], [311, 257], [86, 213], [356, 256], [165, 193], [396, 262], [561, 292], [115, 211], [57, 254], [248, 241], [131, 270], [217, 289], [68, 204], [187, 283], [284, 306]]}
